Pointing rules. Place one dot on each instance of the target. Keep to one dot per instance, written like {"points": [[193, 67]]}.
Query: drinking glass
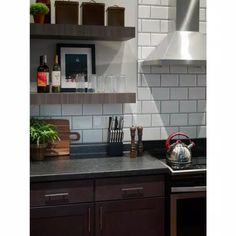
{"points": [[92, 83], [80, 83]]}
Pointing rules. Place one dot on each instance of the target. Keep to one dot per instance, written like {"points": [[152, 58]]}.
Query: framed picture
{"points": [[75, 59]]}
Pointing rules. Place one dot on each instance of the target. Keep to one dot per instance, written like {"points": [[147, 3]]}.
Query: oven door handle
{"points": [[188, 189]]}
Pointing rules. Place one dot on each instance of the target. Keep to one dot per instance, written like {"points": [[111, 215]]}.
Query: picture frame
{"points": [[75, 59]]}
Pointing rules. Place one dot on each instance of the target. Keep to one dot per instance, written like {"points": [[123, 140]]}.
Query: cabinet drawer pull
{"points": [[89, 220], [56, 197], [132, 191], [100, 218]]}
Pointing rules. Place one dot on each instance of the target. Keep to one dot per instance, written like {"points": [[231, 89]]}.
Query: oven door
{"points": [[188, 211]]}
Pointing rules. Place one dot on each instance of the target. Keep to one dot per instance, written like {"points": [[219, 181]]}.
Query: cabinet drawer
{"points": [[129, 187], [56, 193]]}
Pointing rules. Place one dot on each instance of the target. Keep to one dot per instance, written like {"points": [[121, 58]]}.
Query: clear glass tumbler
{"points": [[92, 83], [80, 83]]}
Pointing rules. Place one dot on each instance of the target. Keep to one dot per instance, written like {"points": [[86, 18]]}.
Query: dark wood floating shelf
{"points": [[81, 32], [81, 98]]}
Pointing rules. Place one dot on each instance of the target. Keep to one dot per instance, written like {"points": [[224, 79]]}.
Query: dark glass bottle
{"points": [[43, 76], [56, 76]]}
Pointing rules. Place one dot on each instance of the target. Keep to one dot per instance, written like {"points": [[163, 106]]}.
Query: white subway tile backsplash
{"points": [[92, 109], [160, 93], [197, 69], [202, 3], [188, 106], [201, 106], [178, 69], [191, 131], [128, 121], [139, 52], [144, 39], [201, 131], [187, 80], [146, 51], [71, 110], [144, 11], [150, 2], [144, 94], [34, 110], [139, 25], [92, 136], [100, 122], [112, 109], [202, 16], [50, 110], [169, 80], [132, 108], [151, 133], [201, 80], [166, 131], [127, 137], [156, 38], [160, 120], [150, 107], [179, 93], [143, 69], [197, 93], [167, 26], [143, 120], [82, 122], [179, 119], [197, 119], [159, 12], [151, 80], [165, 2], [160, 69], [169, 106], [151, 26], [202, 27]]}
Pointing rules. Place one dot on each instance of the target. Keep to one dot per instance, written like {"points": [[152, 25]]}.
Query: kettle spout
{"points": [[191, 145]]}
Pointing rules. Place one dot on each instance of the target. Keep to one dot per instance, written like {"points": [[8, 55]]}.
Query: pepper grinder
{"points": [[140, 142], [133, 150]]}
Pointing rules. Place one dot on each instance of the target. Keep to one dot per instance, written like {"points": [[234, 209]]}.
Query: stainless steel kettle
{"points": [[178, 154]]}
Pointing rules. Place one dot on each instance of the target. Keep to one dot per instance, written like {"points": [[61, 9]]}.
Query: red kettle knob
{"points": [[167, 144]]}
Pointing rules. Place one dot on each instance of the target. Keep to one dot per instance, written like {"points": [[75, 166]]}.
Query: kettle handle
{"points": [[167, 144]]}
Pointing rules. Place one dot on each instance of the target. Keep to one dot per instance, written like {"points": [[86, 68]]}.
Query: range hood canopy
{"points": [[186, 45]]}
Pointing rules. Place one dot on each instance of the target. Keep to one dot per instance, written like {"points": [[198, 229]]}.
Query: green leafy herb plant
{"points": [[38, 8]]}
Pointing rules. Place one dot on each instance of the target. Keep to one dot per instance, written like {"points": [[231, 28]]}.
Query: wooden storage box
{"points": [[92, 13], [66, 12], [116, 16]]}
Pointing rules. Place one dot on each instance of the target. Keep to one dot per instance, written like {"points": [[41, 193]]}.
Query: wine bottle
{"points": [[43, 76], [56, 76]]}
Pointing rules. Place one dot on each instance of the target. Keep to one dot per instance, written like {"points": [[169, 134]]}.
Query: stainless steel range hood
{"points": [[186, 45]]}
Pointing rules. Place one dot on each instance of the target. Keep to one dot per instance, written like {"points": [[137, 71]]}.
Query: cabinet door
{"points": [[138, 217], [70, 220]]}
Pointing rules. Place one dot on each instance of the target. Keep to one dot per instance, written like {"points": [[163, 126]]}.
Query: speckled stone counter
{"points": [[89, 168]]}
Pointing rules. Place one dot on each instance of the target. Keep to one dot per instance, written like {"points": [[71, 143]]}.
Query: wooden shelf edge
{"points": [[81, 98]]}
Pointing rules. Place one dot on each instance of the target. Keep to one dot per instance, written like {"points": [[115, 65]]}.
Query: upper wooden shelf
{"points": [[81, 32], [81, 98]]}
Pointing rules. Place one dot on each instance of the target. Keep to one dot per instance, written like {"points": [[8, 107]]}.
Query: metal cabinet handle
{"points": [[136, 190], [188, 189], [89, 220], [56, 197], [101, 209]]}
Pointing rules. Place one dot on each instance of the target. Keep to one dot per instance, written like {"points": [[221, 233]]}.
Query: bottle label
{"points": [[56, 78], [41, 79], [47, 78]]}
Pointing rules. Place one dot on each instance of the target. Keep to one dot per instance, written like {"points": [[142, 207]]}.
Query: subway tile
{"points": [[165, 2], [71, 110], [197, 93], [156, 38], [151, 80], [128, 121], [34, 110], [151, 26], [160, 93], [92, 109], [144, 11], [201, 80], [179, 93], [201, 106], [197, 69], [100, 122], [146, 51], [201, 131], [82, 122], [160, 120], [169, 80], [178, 119], [167, 26], [150, 2], [132, 108], [187, 80], [150, 107], [166, 131], [139, 25], [139, 52], [197, 119], [112, 109], [92, 136], [139, 80], [50, 110], [142, 120], [191, 131], [143, 68], [178, 69], [169, 106], [151, 133], [144, 94], [160, 69], [127, 137], [104, 135], [188, 106], [202, 27], [202, 16], [159, 12], [144, 39], [202, 3]]}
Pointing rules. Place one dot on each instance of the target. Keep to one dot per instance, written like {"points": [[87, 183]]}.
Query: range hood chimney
{"points": [[186, 45]]}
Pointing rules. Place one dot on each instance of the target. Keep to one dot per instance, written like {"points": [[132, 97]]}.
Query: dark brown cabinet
{"points": [[105, 207]]}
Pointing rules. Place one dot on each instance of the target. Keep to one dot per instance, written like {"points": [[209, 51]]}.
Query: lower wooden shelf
{"points": [[81, 98]]}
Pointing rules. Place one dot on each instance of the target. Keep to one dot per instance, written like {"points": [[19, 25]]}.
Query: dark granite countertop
{"points": [[89, 168]]}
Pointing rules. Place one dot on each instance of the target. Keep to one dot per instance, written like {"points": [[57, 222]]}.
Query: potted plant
{"points": [[39, 10], [41, 134]]}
